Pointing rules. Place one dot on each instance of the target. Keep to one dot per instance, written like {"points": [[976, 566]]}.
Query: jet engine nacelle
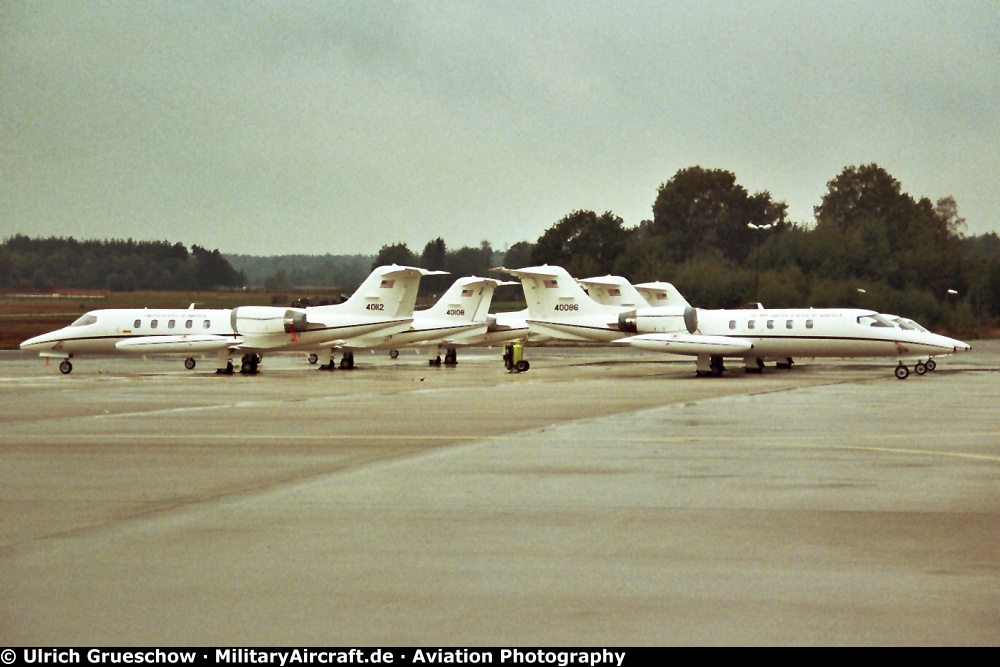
{"points": [[659, 320], [691, 319], [627, 322], [267, 320]]}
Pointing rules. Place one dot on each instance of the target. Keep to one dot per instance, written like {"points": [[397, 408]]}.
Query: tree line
{"points": [[116, 265], [870, 245]]}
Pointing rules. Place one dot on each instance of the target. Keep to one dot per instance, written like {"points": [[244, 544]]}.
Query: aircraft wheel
{"points": [[313, 358], [931, 364], [902, 372], [189, 363], [393, 354], [436, 361], [920, 368], [65, 367], [522, 366]]}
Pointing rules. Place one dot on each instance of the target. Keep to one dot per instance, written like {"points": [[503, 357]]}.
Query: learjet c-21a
{"points": [[383, 303], [459, 318], [559, 307]]}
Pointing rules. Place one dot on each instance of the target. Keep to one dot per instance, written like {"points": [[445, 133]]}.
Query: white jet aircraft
{"points": [[557, 307], [383, 303], [459, 316], [786, 333]]}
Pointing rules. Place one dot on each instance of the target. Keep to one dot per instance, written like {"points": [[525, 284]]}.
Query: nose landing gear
{"points": [[920, 368]]}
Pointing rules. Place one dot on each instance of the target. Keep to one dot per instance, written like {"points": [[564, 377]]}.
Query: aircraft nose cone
{"points": [[37, 342], [30, 343]]}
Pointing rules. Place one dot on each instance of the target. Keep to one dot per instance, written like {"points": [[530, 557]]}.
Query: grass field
{"points": [[23, 315]]}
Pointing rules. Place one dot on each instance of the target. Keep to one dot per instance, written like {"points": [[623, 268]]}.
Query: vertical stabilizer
{"points": [[552, 294], [613, 291], [660, 293], [464, 300], [390, 291]]}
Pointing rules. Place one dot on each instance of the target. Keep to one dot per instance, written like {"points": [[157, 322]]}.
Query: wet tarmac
{"points": [[605, 497]]}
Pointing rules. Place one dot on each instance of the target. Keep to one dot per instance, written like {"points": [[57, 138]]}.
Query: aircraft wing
{"points": [[178, 343], [692, 344]]}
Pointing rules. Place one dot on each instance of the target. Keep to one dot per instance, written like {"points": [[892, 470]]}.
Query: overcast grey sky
{"points": [[300, 127]]}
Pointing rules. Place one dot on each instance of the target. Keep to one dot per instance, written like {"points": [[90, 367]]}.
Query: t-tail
{"points": [[390, 291], [613, 291], [468, 299], [660, 294], [551, 293], [558, 306]]}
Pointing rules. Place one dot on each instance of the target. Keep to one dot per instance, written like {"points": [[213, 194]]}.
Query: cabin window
{"points": [[809, 324], [788, 324], [751, 324], [770, 324], [137, 324], [153, 323], [732, 324], [206, 324], [189, 324], [171, 323]]}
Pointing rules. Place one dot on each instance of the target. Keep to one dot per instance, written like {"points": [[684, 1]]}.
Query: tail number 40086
{"points": [[567, 306]]}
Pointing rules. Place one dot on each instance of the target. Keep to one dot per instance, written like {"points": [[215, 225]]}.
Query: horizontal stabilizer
{"points": [[692, 344], [180, 343]]}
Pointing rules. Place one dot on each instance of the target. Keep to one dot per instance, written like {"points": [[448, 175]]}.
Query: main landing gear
{"points": [[450, 357], [65, 367], [346, 363], [756, 364], [249, 363], [920, 368], [710, 366]]}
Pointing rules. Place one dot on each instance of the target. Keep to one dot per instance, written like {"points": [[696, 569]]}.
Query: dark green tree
{"points": [[435, 255], [518, 255], [211, 270], [700, 209], [583, 243], [868, 228], [469, 261], [397, 253]]}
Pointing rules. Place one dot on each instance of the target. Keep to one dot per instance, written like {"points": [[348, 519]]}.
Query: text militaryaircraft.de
{"points": [[378, 315], [559, 307]]}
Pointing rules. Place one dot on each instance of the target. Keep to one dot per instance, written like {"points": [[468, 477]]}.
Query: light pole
{"points": [[756, 282]]}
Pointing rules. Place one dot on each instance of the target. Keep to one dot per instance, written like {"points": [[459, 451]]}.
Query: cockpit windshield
{"points": [[907, 324], [875, 320], [85, 320]]}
